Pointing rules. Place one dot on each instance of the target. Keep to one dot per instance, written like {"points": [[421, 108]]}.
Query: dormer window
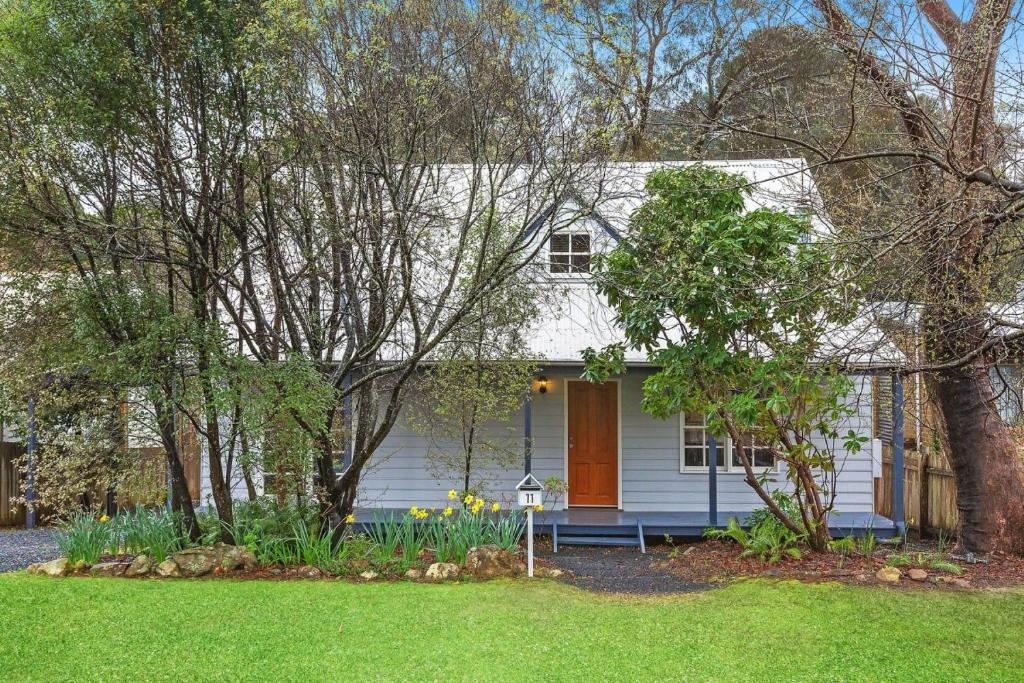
{"points": [[569, 252]]}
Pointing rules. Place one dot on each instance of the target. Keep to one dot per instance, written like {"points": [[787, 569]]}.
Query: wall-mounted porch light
{"points": [[542, 384]]}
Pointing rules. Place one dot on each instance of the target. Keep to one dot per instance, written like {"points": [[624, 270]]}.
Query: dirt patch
{"points": [[717, 562]]}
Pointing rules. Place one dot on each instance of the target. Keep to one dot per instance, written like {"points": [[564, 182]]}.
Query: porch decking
{"points": [[693, 524], [658, 524]]}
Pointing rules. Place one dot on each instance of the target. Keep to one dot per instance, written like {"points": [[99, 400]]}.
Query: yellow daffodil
{"points": [[495, 506], [414, 511], [538, 508], [448, 512], [350, 519], [452, 495], [104, 518], [468, 500]]}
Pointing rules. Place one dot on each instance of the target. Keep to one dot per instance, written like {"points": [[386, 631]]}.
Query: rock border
{"points": [[482, 563]]}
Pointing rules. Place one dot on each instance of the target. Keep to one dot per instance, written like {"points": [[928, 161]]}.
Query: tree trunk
{"points": [[246, 466], [181, 499], [987, 464]]}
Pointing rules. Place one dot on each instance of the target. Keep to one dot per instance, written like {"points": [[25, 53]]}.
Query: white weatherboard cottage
{"points": [[612, 455], [622, 465]]}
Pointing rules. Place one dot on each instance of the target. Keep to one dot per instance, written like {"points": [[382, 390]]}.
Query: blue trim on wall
{"points": [[30, 468], [528, 433], [712, 481], [897, 454], [346, 416]]}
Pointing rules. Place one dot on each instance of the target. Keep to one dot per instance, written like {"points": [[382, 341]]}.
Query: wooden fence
{"points": [[929, 492], [145, 484]]}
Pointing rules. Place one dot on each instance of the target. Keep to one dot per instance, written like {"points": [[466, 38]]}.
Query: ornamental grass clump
{"points": [[153, 532], [448, 534], [84, 537], [386, 536]]}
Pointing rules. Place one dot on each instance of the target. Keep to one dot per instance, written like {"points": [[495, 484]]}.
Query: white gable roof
{"points": [[578, 317]]}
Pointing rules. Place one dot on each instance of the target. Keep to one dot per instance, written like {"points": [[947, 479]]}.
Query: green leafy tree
{"points": [[724, 302]]}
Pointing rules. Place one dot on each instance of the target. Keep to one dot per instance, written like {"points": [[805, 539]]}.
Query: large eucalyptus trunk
{"points": [[986, 462]]}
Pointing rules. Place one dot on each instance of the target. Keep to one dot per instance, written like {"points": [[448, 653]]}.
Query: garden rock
{"points": [[109, 568], [140, 566], [889, 575], [414, 574], [58, 567], [369, 575], [489, 561], [548, 572], [235, 556], [310, 572], [204, 559], [168, 569], [439, 571], [918, 574], [961, 583], [195, 561]]}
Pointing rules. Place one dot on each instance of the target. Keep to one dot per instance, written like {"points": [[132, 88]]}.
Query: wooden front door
{"points": [[593, 443]]}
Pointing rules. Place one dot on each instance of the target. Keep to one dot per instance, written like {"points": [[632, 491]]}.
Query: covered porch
{"points": [[605, 526]]}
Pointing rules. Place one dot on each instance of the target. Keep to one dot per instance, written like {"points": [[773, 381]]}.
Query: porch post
{"points": [[30, 467], [712, 481], [897, 454], [528, 432]]}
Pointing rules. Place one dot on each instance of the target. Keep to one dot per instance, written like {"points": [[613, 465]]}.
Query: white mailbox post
{"points": [[530, 493]]}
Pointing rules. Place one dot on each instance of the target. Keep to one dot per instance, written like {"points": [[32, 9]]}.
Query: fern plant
{"points": [[765, 540]]}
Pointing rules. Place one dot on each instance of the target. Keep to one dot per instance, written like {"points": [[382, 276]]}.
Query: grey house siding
{"points": [[399, 476]]}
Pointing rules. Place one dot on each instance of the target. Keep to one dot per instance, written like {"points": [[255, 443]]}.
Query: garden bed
{"points": [[932, 566]]}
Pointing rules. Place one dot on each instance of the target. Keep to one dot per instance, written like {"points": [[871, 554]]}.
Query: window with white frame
{"points": [[695, 439], [569, 252], [695, 448], [760, 454]]}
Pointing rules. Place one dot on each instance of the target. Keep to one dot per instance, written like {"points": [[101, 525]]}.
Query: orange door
{"points": [[593, 444]]}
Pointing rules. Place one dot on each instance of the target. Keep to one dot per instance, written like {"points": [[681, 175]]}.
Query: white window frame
{"points": [[725, 451], [570, 233]]}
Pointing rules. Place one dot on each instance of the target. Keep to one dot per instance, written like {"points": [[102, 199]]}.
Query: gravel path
{"points": [[617, 570], [20, 548]]}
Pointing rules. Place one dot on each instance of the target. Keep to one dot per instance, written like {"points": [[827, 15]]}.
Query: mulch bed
{"points": [[616, 570], [716, 562]]}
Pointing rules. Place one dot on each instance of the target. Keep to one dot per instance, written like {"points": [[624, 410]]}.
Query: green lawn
{"points": [[109, 629]]}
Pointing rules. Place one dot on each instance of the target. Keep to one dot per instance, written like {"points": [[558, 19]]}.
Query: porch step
{"points": [[597, 540], [598, 534]]}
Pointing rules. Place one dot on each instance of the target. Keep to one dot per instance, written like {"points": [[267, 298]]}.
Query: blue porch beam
{"points": [[346, 418], [528, 432], [712, 481], [30, 468], [897, 454]]}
